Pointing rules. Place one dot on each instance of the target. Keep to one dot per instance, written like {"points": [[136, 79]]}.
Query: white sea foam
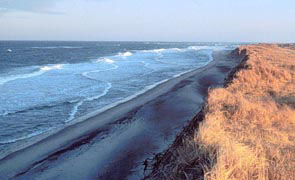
{"points": [[125, 54], [41, 71], [48, 68], [106, 90], [164, 43], [210, 56], [147, 88], [110, 61], [163, 50], [147, 65], [106, 60], [158, 50], [4, 80], [217, 48], [196, 48], [76, 107], [178, 49], [85, 74], [154, 50]]}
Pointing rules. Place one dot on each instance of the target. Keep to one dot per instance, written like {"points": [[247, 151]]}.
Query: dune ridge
{"points": [[246, 128]]}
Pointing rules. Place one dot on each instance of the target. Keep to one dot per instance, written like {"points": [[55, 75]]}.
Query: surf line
{"points": [[41, 71], [75, 109]]}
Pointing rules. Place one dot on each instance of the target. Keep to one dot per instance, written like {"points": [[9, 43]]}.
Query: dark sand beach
{"points": [[120, 142]]}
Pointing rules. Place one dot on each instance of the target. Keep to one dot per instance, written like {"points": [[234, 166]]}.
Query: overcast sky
{"points": [[148, 20]]}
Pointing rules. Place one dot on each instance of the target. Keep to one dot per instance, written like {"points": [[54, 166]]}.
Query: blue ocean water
{"points": [[46, 85]]}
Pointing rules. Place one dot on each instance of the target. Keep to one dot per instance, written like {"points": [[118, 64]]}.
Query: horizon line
{"points": [[140, 41]]}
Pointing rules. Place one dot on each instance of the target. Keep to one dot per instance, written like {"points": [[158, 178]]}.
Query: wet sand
{"points": [[116, 143]]}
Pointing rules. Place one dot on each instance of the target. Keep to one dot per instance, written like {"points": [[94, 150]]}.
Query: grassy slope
{"points": [[248, 127], [250, 124]]}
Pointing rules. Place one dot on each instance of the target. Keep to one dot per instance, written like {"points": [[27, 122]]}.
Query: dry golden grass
{"points": [[249, 125]]}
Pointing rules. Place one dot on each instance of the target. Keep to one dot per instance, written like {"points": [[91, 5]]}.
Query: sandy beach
{"points": [[118, 143]]}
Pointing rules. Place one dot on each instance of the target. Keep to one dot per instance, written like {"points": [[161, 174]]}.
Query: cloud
{"points": [[37, 6]]}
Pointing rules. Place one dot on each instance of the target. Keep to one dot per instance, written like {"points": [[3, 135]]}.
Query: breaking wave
{"points": [[41, 71], [106, 60], [125, 54], [48, 68], [154, 50]]}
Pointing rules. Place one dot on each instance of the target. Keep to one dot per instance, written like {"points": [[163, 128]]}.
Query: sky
{"points": [[149, 20]]}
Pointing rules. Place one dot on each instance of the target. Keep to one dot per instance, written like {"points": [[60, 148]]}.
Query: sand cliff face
{"points": [[247, 127]]}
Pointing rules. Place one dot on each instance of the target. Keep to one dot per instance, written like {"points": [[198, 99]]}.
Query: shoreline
{"points": [[23, 143], [64, 138]]}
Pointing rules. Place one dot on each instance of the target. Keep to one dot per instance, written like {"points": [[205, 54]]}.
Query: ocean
{"points": [[47, 85]]}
